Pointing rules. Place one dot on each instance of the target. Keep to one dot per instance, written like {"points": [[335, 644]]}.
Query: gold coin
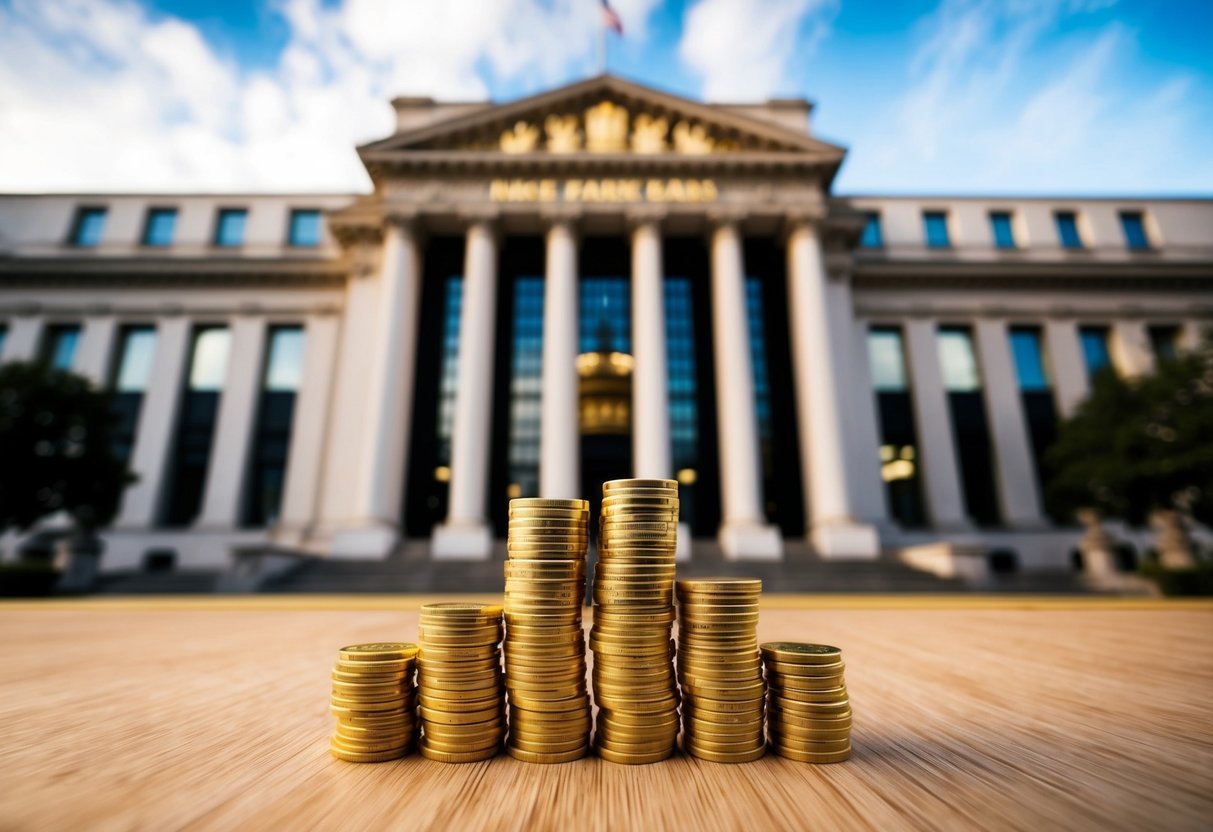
{"points": [[637, 482], [368, 746], [458, 654], [471, 730], [634, 759], [811, 757], [816, 697], [460, 609], [553, 746], [718, 757], [692, 744], [360, 690], [549, 502], [379, 652], [715, 584], [448, 757], [356, 757], [795, 652], [385, 668], [535, 757], [446, 717], [810, 684]]}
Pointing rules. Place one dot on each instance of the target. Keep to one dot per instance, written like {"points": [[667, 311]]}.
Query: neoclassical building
{"points": [[598, 281]]}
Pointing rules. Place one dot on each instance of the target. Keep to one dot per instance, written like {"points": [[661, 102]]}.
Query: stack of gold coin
{"points": [[544, 643], [634, 683], [720, 669], [808, 712], [374, 702], [459, 688]]}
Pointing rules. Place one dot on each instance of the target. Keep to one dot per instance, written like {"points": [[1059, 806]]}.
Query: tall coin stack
{"points": [[808, 714], [720, 669], [374, 702], [459, 687], [634, 683], [544, 643]]}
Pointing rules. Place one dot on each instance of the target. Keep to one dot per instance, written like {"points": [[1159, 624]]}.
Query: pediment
{"points": [[602, 116]]}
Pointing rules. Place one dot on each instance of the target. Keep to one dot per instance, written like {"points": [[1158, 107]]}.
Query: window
{"points": [[872, 235], [3, 339], [935, 224], [87, 227], [133, 369], [886, 360], [305, 227], [1164, 341], [1029, 358], [957, 360], [762, 379], [1134, 227], [161, 222], [59, 346], [272, 430], [899, 458], [448, 377], [1067, 229], [1004, 231], [683, 388], [526, 387], [1094, 341], [196, 424], [229, 228], [606, 314]]}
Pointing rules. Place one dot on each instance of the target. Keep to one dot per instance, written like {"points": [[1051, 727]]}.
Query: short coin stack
{"points": [[374, 702], [720, 669], [544, 643], [634, 683], [808, 713], [459, 689]]}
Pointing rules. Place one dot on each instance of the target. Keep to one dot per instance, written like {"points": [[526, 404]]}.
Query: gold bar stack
{"points": [[809, 713], [459, 684], [634, 683], [374, 702], [720, 669], [544, 643]]}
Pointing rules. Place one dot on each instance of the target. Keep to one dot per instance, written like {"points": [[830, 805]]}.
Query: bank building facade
{"points": [[598, 281]]}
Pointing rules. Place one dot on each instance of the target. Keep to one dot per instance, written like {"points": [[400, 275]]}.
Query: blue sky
{"points": [[935, 97]]}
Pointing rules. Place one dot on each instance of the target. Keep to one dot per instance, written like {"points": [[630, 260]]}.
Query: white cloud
{"points": [[742, 48], [103, 95], [998, 99]]}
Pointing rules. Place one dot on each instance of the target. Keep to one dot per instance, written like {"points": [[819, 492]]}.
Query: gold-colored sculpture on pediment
{"points": [[693, 139], [648, 133], [563, 135], [521, 138], [606, 128]]}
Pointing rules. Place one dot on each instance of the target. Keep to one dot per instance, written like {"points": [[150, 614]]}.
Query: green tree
{"points": [[1136, 445], [56, 448]]}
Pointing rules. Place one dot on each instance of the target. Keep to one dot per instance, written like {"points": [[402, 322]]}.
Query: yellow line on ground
{"points": [[773, 601]]}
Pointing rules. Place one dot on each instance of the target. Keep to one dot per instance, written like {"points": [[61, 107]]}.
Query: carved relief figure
{"points": [[563, 135], [648, 133], [523, 138], [693, 139], [606, 128]]}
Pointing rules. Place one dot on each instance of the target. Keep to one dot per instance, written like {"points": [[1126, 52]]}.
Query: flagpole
{"points": [[602, 34]]}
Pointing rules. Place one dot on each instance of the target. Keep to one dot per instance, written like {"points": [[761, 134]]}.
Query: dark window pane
{"points": [[886, 359], [59, 346], [526, 384], [284, 366], [305, 227], [1164, 340], [935, 223], [1067, 229], [161, 222], [88, 227], [448, 380], [683, 387], [762, 376], [196, 425], [1135, 230], [3, 339], [900, 467], [229, 229], [1004, 231], [133, 368], [272, 432], [1029, 358], [606, 314], [1094, 341], [872, 236]]}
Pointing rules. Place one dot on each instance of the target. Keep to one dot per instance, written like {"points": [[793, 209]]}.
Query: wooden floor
{"points": [[967, 715]]}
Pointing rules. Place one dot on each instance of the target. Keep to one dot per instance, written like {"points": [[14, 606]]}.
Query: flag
{"points": [[610, 18]]}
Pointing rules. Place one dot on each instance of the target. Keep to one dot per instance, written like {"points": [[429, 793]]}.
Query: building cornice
{"points": [[1034, 275], [175, 271]]}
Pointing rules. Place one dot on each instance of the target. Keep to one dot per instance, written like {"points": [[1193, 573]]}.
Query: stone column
{"points": [[304, 464], [1190, 333], [21, 343], [94, 355], [937, 443], [559, 443], [1018, 490], [465, 534], [225, 478], [744, 533], [157, 425], [819, 330], [1130, 347], [652, 454], [1070, 382], [378, 491]]}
